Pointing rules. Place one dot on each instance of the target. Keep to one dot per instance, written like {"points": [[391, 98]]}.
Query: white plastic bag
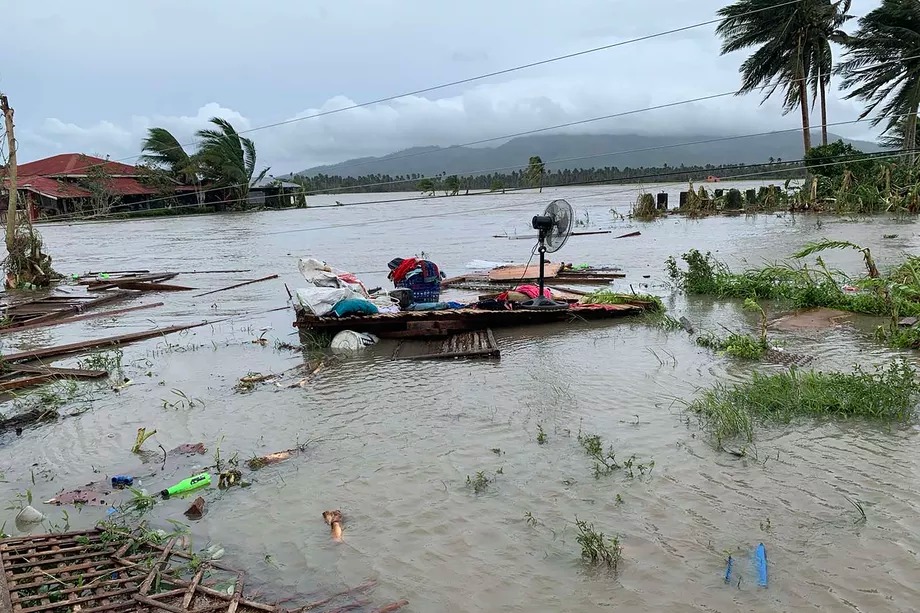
{"points": [[320, 274], [347, 340], [321, 300]]}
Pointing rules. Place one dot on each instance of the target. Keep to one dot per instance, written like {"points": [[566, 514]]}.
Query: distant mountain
{"points": [[561, 151]]}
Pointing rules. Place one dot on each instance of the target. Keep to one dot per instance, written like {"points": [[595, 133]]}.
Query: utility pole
{"points": [[10, 173]]}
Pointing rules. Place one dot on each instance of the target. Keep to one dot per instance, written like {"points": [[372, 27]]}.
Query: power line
{"points": [[467, 80]]}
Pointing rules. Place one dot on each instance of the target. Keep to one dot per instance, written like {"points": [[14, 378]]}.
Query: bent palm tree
{"points": [[792, 43], [228, 159], [883, 67], [163, 150]]}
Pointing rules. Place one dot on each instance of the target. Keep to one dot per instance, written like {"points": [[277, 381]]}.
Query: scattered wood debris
{"points": [[223, 289], [196, 511], [272, 458], [117, 570], [60, 350]]}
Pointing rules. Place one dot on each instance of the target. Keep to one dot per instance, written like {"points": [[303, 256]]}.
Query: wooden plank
{"points": [[16, 384], [50, 352], [567, 290], [77, 373], [223, 289], [532, 271], [630, 235], [445, 283], [146, 286], [32, 324]]}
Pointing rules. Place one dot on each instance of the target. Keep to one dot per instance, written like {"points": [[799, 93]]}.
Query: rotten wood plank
{"points": [[223, 289], [77, 373], [144, 286], [32, 324], [77, 347], [16, 384]]}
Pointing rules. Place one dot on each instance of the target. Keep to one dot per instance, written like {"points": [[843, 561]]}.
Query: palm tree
{"points": [[163, 150], [536, 170], [228, 159], [793, 48], [883, 67], [893, 138], [828, 20]]}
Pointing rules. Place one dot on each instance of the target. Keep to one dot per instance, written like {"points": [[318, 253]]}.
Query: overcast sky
{"points": [[93, 80]]}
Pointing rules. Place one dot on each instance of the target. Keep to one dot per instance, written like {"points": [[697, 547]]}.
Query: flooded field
{"points": [[392, 443]]}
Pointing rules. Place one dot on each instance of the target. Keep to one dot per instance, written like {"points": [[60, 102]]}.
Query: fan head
{"points": [[562, 215]]}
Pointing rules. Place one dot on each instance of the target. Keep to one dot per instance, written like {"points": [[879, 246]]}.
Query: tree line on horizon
{"points": [[533, 177]]}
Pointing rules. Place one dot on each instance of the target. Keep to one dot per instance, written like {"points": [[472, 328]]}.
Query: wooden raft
{"points": [[96, 572], [476, 344], [427, 324]]}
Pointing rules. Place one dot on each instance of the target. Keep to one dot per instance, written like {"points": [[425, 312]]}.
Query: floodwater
{"points": [[391, 443]]}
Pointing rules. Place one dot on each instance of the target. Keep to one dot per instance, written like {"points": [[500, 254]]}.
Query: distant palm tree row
{"points": [[225, 161], [881, 65]]}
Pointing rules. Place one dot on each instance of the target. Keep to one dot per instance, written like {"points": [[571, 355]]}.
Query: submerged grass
{"points": [[889, 394], [597, 548], [645, 208], [652, 304], [894, 295]]}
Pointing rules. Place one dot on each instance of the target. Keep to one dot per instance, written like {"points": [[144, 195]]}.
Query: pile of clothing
{"points": [[334, 292], [508, 300], [421, 276]]}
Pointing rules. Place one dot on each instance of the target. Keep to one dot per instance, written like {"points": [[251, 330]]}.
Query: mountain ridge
{"points": [[560, 151]]}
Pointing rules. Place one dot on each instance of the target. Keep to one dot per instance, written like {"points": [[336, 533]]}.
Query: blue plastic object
{"points": [[122, 481], [354, 306], [728, 569], [760, 557]]}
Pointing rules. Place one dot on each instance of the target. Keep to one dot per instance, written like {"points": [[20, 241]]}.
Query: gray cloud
{"points": [[97, 80]]}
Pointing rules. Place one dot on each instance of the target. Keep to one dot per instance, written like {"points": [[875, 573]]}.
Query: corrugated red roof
{"points": [[58, 188], [52, 187], [72, 164]]}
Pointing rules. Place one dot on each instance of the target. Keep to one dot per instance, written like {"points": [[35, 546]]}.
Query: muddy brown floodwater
{"points": [[391, 443]]}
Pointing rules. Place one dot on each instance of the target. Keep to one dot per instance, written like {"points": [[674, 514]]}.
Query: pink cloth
{"points": [[532, 291]]}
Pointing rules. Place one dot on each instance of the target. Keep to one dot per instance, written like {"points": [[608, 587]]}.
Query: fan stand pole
{"points": [[542, 265]]}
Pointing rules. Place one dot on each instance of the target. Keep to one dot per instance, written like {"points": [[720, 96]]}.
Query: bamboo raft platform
{"points": [[427, 324], [99, 572]]}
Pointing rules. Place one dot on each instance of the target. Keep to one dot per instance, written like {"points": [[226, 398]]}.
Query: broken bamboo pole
{"points": [[67, 320], [223, 289], [60, 350]]}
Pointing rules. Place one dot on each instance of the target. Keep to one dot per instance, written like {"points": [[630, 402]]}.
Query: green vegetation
{"points": [[597, 548], [652, 304], [729, 412], [536, 172], [605, 462], [645, 208], [793, 49], [541, 435], [894, 295], [224, 160], [480, 482], [740, 345], [883, 68]]}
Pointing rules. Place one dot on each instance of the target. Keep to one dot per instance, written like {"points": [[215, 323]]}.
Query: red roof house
{"points": [[65, 183]]}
